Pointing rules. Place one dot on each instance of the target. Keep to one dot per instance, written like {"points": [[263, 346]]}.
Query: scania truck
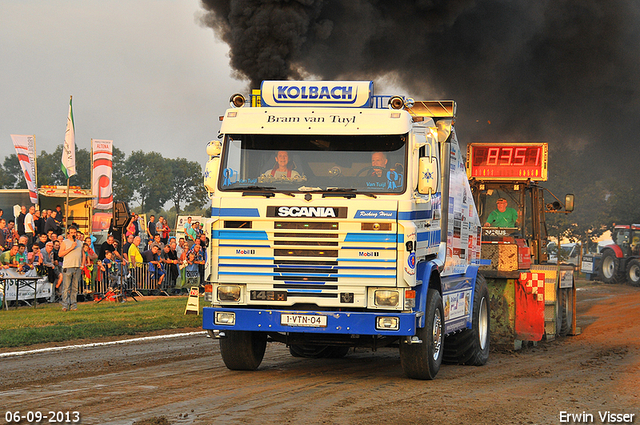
{"points": [[343, 219]]}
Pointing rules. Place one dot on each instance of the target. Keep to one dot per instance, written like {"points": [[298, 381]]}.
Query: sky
{"points": [[143, 73]]}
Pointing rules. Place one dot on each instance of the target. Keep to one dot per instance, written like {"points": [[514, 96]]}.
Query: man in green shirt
{"points": [[191, 235], [503, 216], [7, 257]]}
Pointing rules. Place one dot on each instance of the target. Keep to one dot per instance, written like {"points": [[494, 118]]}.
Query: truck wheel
{"points": [[422, 361], [610, 267], [566, 311], [633, 272], [471, 346], [243, 350]]}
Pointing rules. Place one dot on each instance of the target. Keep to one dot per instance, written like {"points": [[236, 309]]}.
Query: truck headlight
{"points": [[387, 323], [386, 297], [229, 293], [225, 318]]}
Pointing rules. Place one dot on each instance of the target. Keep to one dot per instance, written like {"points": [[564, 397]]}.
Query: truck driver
{"points": [[502, 216], [282, 169], [378, 160]]}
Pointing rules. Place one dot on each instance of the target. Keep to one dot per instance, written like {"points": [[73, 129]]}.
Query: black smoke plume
{"points": [[562, 71]]}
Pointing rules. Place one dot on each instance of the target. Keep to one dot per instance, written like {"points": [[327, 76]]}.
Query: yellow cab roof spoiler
{"points": [[433, 108]]}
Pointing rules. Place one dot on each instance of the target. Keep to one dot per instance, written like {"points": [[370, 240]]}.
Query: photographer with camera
{"points": [[71, 253]]}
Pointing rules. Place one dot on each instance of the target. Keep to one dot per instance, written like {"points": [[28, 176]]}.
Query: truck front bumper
{"points": [[337, 322]]}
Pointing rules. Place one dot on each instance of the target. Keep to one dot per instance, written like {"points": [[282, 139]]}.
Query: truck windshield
{"points": [[300, 163]]}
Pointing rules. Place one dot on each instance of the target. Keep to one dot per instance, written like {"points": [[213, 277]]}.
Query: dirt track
{"points": [[184, 380]]}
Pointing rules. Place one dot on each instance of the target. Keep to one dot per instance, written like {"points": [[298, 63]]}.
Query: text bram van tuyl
{"points": [[604, 417]]}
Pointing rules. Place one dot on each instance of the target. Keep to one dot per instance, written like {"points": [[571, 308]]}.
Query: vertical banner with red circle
{"points": [[102, 189]]}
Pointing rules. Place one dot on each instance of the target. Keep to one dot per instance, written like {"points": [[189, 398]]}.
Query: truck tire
{"points": [[422, 361], [566, 311], [471, 346], [243, 350], [610, 267], [318, 351], [633, 272]]}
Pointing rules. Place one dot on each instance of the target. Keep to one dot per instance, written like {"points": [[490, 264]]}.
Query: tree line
{"points": [[604, 188], [144, 178]]}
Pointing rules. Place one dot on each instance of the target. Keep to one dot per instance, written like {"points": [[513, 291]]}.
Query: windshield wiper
{"points": [[346, 192], [336, 192], [259, 191]]}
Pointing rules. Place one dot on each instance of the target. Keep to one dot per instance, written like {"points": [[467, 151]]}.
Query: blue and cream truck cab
{"points": [[342, 219]]}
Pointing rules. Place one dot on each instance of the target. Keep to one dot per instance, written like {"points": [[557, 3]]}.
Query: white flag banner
{"points": [[102, 188], [69, 147], [26, 151]]}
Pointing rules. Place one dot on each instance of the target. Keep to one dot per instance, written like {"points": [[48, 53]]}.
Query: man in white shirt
{"points": [[30, 225], [71, 253]]}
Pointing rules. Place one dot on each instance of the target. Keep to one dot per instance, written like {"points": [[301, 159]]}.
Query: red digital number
{"points": [[520, 156], [492, 156], [506, 156]]}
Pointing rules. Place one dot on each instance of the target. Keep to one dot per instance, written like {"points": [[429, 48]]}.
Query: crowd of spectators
{"points": [[178, 262], [34, 243]]}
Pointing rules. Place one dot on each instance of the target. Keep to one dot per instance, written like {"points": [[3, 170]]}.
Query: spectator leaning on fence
{"points": [[20, 259], [150, 256], [170, 259], [135, 259], [7, 258]]}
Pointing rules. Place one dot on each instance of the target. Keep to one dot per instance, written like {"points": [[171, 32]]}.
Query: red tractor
{"points": [[621, 260]]}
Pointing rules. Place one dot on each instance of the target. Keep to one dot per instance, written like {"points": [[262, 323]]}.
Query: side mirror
{"points": [[428, 175], [444, 129], [569, 200], [214, 148]]}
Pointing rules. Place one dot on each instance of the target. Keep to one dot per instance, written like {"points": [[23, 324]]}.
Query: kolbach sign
{"points": [[349, 94]]}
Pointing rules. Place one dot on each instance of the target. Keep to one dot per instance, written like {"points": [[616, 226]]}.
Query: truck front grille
{"points": [[309, 259]]}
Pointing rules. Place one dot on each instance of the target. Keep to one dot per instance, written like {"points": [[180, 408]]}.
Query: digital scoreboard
{"points": [[507, 161]]}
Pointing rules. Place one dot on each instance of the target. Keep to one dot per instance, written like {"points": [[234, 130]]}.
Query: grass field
{"points": [[48, 323]]}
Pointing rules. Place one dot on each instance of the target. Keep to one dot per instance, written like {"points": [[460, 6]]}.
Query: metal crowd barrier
{"points": [[142, 279], [139, 280]]}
